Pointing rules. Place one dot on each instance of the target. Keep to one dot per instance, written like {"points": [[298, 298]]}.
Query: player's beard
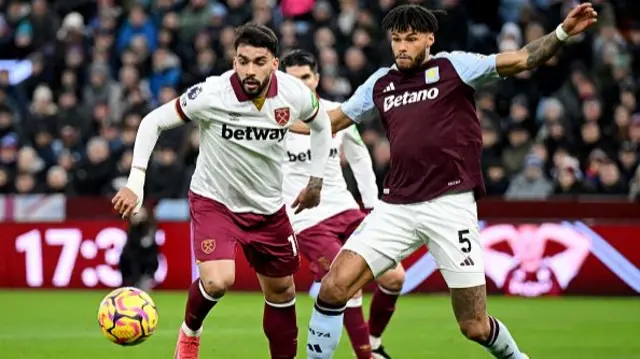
{"points": [[416, 62], [258, 89]]}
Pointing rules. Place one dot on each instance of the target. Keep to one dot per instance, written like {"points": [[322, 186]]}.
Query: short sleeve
{"points": [[361, 103], [192, 104], [309, 106], [474, 69]]}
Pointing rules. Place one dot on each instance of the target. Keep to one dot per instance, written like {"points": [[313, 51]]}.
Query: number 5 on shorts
{"points": [[294, 246], [464, 241]]}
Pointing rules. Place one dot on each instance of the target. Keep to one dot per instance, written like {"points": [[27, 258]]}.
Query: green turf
{"points": [[44, 324]]}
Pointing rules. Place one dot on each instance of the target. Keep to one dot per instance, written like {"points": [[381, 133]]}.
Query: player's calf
{"points": [[279, 320], [383, 306], [348, 274], [469, 306]]}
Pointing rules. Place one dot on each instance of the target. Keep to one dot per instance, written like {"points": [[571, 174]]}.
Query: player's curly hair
{"points": [[412, 17], [299, 58], [257, 35]]}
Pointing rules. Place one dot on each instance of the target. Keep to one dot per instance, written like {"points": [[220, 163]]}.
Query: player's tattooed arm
{"points": [[541, 50], [538, 52]]}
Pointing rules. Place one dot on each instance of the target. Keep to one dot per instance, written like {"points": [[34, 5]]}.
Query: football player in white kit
{"points": [[236, 190], [321, 231]]}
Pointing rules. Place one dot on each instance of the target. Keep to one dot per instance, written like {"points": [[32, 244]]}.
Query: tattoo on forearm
{"points": [[315, 182], [542, 50]]}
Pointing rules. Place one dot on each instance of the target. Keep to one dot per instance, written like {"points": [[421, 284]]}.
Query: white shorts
{"points": [[447, 225]]}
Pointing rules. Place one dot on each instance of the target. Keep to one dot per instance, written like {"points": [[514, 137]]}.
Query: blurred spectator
{"points": [[531, 183]]}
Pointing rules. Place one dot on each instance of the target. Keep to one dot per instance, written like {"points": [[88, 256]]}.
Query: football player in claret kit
{"points": [[426, 103], [236, 190], [321, 231]]}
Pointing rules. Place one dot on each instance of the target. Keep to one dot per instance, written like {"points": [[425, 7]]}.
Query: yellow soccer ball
{"points": [[127, 316]]}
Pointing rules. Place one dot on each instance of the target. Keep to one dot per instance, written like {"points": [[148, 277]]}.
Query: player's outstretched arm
{"points": [[357, 154], [129, 199], [538, 52], [339, 121]]}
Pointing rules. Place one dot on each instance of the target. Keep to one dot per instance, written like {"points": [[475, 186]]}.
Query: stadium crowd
{"points": [[91, 70]]}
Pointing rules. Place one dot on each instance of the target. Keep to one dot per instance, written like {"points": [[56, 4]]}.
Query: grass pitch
{"points": [[63, 324]]}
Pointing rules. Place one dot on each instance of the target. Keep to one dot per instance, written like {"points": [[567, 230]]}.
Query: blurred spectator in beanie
{"points": [[495, 177], [517, 148], [101, 88], [139, 258], [568, 178], [628, 159], [94, 173], [530, 183]]}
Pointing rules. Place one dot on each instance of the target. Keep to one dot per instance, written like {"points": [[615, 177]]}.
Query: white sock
{"points": [[375, 342], [500, 343], [325, 329], [189, 332]]}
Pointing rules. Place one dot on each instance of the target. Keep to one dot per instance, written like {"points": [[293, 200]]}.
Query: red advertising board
{"points": [[530, 260]]}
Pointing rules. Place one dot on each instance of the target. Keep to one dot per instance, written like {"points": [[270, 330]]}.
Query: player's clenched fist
{"points": [[128, 200], [309, 197]]}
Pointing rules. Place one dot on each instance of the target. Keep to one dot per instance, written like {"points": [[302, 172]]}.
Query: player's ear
{"points": [[235, 58], [431, 39], [276, 63]]}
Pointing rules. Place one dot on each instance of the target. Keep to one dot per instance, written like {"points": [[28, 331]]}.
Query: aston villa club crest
{"points": [[432, 75], [282, 115]]}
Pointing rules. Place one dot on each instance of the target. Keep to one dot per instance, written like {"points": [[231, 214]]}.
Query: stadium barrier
{"points": [[559, 257]]}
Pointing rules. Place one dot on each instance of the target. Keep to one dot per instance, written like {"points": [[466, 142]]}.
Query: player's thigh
{"points": [[450, 226], [272, 249], [384, 238], [320, 246], [213, 241]]}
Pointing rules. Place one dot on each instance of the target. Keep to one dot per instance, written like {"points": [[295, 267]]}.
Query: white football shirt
{"points": [[335, 197], [241, 147]]}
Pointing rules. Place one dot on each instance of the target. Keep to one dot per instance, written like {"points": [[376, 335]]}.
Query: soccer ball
{"points": [[127, 316]]}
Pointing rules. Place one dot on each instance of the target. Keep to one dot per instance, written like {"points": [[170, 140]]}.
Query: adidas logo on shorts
{"points": [[467, 262]]}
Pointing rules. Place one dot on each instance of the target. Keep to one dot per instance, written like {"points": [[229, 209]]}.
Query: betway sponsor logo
{"points": [[306, 156], [410, 97], [253, 133]]}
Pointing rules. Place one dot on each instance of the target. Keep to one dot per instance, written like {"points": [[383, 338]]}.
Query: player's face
{"points": [[410, 48], [254, 66], [306, 74]]}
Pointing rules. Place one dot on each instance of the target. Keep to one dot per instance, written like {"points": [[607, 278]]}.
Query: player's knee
{"points": [[281, 291], [332, 291], [216, 286], [392, 280], [476, 329]]}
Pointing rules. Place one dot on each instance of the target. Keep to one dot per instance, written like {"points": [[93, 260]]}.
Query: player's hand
{"points": [[309, 197], [126, 203], [579, 19]]}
